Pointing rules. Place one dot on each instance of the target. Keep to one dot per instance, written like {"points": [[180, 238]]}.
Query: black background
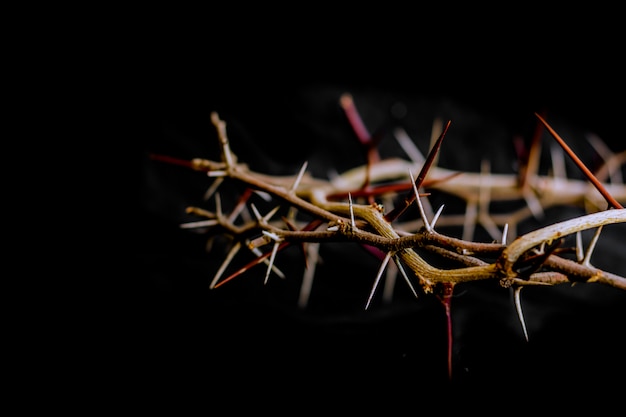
{"points": [[280, 107]]}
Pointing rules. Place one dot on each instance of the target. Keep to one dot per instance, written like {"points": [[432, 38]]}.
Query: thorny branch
{"points": [[534, 258]]}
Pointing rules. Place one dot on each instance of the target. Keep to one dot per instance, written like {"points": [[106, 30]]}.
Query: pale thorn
{"points": [[505, 232], [484, 199], [419, 204], [390, 283], [351, 212], [240, 209], [263, 219], [265, 196], [218, 206], [312, 253], [380, 273], [533, 203], [258, 253], [272, 236], [607, 155], [436, 131], [408, 146], [299, 177], [558, 162], [219, 174], [518, 308], [214, 186], [592, 246], [469, 222], [403, 272], [258, 216], [270, 214], [271, 262], [231, 254], [579, 247], [332, 228], [436, 217], [201, 223]]}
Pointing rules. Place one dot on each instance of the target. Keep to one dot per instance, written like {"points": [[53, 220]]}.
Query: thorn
{"points": [[419, 204], [312, 253], [218, 206], [351, 212], [258, 216], [231, 254], [271, 262], [592, 246], [403, 272], [257, 252], [504, 233], [518, 308], [408, 146], [299, 178], [436, 217], [272, 236], [380, 273], [201, 223], [214, 186], [579, 247]]}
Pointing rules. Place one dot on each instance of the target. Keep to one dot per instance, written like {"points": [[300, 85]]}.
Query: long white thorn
{"points": [[231, 254], [579, 247], [272, 256], [299, 177], [403, 272], [408, 146], [351, 212], [258, 216], [505, 231], [275, 269], [380, 273], [201, 223], [214, 186], [312, 253], [518, 308], [436, 217], [592, 246]]}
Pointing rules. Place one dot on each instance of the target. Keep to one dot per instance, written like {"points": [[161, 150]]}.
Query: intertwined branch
{"points": [[367, 205]]}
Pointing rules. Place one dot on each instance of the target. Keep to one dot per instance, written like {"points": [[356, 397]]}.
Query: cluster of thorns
{"points": [[351, 207]]}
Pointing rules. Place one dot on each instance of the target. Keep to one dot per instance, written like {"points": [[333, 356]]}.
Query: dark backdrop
{"points": [[247, 337]]}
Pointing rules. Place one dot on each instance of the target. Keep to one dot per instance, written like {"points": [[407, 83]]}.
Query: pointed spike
{"points": [[380, 273], [436, 217], [518, 309], [271, 262], [299, 178], [229, 257], [403, 272], [592, 246]]}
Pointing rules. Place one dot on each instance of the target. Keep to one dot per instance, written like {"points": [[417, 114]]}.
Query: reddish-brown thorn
{"points": [[363, 135], [396, 212], [446, 300], [171, 160], [608, 197]]}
